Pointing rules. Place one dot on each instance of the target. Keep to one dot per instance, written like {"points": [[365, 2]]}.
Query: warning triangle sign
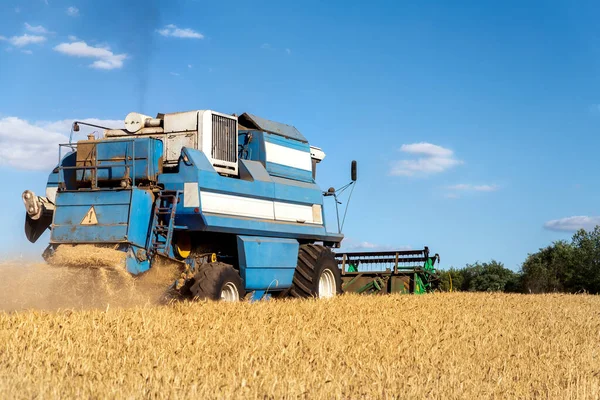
{"points": [[90, 217]]}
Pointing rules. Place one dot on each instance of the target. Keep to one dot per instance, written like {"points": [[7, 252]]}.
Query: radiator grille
{"points": [[224, 139]]}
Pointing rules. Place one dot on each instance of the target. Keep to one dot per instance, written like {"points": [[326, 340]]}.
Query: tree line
{"points": [[571, 267]]}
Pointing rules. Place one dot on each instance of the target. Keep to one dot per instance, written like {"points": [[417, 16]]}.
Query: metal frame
{"points": [[385, 272], [129, 167], [385, 258]]}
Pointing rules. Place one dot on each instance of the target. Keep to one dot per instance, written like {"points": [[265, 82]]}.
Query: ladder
{"points": [[163, 223]]}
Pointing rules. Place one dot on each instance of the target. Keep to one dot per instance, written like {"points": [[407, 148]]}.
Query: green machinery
{"points": [[407, 271]]}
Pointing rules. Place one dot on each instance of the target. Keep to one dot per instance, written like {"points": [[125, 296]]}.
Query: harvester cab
{"points": [[231, 199]]}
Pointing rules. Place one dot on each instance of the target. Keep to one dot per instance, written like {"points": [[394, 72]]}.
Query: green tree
{"points": [[480, 277], [551, 269], [586, 272], [451, 279], [488, 277]]}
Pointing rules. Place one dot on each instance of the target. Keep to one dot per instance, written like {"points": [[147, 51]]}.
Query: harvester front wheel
{"points": [[217, 281], [317, 273]]}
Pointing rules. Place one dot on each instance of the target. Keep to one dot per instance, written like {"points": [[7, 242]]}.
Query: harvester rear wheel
{"points": [[317, 273], [217, 281]]}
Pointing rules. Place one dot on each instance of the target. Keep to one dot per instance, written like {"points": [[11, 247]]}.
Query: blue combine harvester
{"points": [[232, 199]]}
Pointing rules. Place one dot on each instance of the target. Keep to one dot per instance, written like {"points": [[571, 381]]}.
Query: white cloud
{"points": [[174, 31], [27, 52], [474, 188], [36, 29], [189, 65], [572, 224], [433, 159], [24, 40], [20, 141], [34, 146], [427, 149], [72, 38], [73, 11], [174, 74], [105, 58]]}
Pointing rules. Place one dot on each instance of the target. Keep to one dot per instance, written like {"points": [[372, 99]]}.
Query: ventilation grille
{"points": [[224, 139]]}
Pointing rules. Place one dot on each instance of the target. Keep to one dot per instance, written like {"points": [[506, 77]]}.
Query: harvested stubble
{"points": [[432, 346]]}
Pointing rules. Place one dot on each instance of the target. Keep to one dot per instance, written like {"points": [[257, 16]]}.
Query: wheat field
{"points": [[450, 346]]}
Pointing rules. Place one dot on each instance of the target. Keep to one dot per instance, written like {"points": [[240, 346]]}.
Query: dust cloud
{"points": [[47, 287]]}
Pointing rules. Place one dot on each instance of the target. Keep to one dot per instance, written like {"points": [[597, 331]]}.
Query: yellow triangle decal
{"points": [[90, 217]]}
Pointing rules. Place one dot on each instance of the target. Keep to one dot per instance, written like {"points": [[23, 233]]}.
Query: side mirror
{"points": [[353, 171]]}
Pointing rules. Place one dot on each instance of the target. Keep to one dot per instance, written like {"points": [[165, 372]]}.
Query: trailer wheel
{"points": [[217, 281], [317, 273]]}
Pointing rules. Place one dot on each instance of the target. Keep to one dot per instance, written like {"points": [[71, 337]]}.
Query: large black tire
{"points": [[313, 262], [212, 279]]}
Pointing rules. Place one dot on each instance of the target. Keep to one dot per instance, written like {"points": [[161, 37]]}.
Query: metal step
{"points": [[163, 222]]}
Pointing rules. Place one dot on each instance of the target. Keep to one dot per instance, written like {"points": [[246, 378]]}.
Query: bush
{"points": [[480, 277]]}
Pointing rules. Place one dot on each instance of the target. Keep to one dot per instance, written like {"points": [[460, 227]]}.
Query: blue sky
{"points": [[475, 125]]}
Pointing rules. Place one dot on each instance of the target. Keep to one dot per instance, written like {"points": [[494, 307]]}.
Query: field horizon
{"points": [[446, 345]]}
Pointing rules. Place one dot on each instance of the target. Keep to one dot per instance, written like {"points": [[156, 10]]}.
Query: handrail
{"points": [[129, 167]]}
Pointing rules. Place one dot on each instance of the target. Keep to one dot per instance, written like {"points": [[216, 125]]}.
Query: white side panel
{"points": [[181, 122], [241, 206], [289, 157], [293, 213], [236, 205], [205, 131], [317, 211], [177, 141], [190, 194]]}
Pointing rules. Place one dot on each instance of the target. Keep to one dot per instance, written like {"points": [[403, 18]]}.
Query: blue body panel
{"points": [[67, 177], [122, 215], [267, 263], [140, 215], [298, 192], [116, 159], [133, 265], [256, 151], [112, 212], [285, 171], [251, 226], [53, 179], [256, 184]]}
